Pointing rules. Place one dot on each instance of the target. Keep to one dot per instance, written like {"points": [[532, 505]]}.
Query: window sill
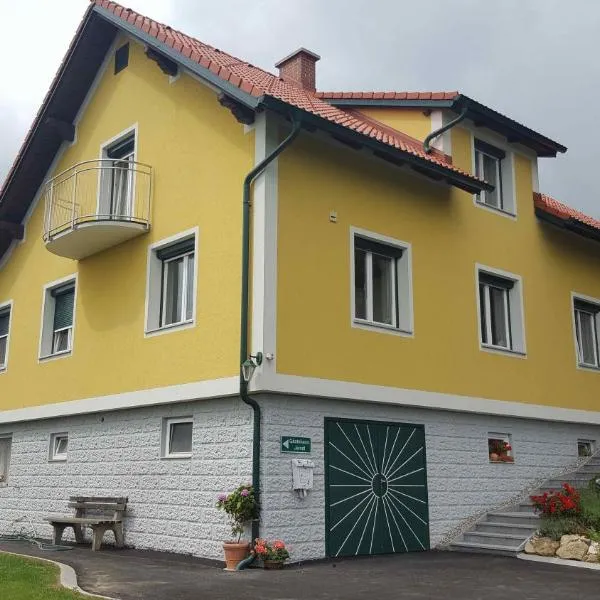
{"points": [[581, 366], [381, 327], [502, 462], [55, 356], [2, 370], [169, 328], [498, 211], [181, 456], [57, 460], [502, 350]]}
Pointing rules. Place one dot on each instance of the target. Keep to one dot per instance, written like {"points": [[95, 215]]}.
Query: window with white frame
{"points": [[59, 444], [489, 163], [585, 448], [118, 177], [57, 327], [500, 312], [381, 283], [4, 331], [172, 284], [5, 449], [177, 437], [586, 316]]}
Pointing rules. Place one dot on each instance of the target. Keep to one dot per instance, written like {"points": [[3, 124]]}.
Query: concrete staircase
{"points": [[506, 531]]}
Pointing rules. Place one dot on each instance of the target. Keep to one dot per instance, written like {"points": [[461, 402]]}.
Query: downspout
{"points": [[252, 175], [427, 143]]}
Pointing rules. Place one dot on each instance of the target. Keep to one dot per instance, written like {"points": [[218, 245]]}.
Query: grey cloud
{"points": [[533, 60]]}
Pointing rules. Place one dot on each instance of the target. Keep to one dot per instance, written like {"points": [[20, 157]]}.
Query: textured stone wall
{"points": [[171, 501], [461, 480]]}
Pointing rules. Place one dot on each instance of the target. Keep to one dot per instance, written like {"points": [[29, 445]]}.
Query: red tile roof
{"points": [[257, 82], [553, 207], [388, 95]]}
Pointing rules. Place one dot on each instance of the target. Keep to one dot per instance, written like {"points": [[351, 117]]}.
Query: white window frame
{"points": [[578, 359], [53, 455], [103, 185], [5, 460], [516, 315], [507, 170], [155, 286], [166, 437], [504, 437], [47, 333], [4, 306], [402, 292], [185, 283], [590, 443]]}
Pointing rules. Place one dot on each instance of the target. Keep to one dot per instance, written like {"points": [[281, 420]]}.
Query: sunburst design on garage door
{"points": [[376, 488]]}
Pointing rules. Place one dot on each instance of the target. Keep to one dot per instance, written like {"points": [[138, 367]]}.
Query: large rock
{"points": [[566, 539], [594, 548], [590, 558], [573, 550], [543, 546]]}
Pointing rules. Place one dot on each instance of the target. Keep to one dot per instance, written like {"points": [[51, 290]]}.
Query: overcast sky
{"points": [[533, 60]]}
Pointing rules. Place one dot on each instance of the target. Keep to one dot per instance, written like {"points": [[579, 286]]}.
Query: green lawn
{"points": [[30, 579]]}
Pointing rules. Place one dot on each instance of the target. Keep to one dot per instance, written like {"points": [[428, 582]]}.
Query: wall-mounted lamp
{"points": [[250, 364]]}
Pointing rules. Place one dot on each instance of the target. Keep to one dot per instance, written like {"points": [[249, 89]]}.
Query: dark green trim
{"points": [[489, 149], [421, 165], [441, 130]]}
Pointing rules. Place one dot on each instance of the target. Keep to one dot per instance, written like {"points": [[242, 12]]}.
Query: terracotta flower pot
{"points": [[235, 552], [494, 457], [273, 564]]}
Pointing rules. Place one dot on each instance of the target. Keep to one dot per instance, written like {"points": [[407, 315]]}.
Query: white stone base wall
{"points": [[171, 501], [461, 480]]}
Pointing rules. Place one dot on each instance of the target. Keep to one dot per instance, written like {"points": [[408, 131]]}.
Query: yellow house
{"points": [[418, 339]]}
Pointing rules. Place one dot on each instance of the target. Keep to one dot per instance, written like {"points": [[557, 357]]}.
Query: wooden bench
{"points": [[101, 514]]}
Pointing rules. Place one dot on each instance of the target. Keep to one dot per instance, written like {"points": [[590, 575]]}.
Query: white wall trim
{"points": [[45, 318], [10, 305], [264, 249], [150, 283], [517, 324], [328, 388], [210, 388]]}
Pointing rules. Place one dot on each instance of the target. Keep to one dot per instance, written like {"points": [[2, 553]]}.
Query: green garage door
{"points": [[376, 488]]}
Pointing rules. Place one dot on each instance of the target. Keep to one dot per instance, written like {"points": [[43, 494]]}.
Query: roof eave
{"points": [[421, 165], [476, 112], [570, 224], [228, 88]]}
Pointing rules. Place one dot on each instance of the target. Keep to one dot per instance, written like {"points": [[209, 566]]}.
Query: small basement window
{"points": [[585, 448], [59, 444], [177, 437], [500, 448], [5, 449]]}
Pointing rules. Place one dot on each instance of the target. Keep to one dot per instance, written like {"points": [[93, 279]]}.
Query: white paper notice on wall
{"points": [[302, 475]]}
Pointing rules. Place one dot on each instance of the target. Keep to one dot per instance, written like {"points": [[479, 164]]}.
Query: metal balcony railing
{"points": [[103, 191]]}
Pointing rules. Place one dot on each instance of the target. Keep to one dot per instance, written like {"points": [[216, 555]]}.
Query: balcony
{"points": [[96, 204]]}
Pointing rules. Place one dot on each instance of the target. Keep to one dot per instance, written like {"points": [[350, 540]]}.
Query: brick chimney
{"points": [[299, 68]]}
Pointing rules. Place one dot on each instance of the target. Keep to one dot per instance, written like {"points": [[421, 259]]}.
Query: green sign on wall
{"points": [[300, 445]]}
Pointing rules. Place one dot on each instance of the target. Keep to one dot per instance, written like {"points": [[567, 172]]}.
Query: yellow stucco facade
{"points": [[199, 154], [449, 234]]}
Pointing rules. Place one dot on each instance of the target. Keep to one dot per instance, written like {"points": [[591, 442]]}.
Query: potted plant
{"points": [[272, 554], [240, 506]]}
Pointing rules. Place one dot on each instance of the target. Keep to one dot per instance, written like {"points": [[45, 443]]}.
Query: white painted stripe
{"points": [[212, 388], [379, 394]]}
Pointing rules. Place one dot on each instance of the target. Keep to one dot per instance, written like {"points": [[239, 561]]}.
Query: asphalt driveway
{"points": [[137, 575]]}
